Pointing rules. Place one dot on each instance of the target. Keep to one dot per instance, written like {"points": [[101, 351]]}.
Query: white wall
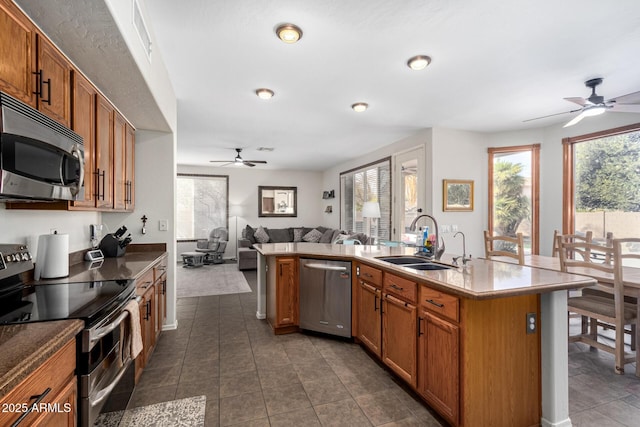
{"points": [[550, 139], [460, 155], [22, 226], [243, 192], [155, 173]]}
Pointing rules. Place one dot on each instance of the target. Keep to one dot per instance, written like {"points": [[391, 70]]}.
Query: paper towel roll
{"points": [[52, 260]]}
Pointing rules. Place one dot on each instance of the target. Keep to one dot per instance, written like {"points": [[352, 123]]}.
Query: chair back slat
{"points": [[518, 242]]}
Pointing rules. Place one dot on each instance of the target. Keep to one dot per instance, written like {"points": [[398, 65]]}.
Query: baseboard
{"points": [[563, 423], [170, 326]]}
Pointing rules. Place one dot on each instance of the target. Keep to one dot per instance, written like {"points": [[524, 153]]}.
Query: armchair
{"points": [[214, 247]]}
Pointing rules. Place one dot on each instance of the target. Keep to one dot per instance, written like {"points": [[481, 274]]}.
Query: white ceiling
{"points": [[495, 64]]}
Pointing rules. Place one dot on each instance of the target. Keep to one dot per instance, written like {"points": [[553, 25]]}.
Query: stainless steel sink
{"points": [[415, 263], [402, 260]]}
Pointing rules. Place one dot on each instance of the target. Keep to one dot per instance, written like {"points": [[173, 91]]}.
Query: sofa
{"points": [[248, 256]]}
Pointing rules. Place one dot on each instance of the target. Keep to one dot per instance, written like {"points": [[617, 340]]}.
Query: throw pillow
{"points": [[249, 234], [278, 235], [297, 234], [313, 236], [340, 237], [326, 236], [261, 235]]}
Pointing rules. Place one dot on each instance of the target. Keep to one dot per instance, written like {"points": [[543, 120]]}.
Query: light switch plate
{"points": [[163, 225]]}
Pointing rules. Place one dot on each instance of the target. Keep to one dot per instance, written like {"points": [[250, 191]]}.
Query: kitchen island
{"points": [[483, 344]]}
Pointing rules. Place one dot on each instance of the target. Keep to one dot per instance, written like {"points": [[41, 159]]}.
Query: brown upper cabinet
{"points": [[36, 72], [53, 82], [33, 69], [18, 49]]}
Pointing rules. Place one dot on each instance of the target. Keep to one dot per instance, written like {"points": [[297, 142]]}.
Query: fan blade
{"points": [[625, 108], [551, 115], [575, 120], [579, 101], [630, 98], [247, 163], [220, 161], [257, 161]]}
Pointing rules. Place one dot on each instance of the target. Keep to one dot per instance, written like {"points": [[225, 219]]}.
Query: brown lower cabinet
{"points": [[399, 337], [369, 306], [438, 364], [151, 290], [55, 384], [283, 298]]}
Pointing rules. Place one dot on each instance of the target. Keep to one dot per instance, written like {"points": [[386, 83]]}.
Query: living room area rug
{"points": [[215, 279], [188, 412]]}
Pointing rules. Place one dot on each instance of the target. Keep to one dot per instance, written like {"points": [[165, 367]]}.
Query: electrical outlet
{"points": [[163, 225], [532, 325], [445, 228], [454, 228]]}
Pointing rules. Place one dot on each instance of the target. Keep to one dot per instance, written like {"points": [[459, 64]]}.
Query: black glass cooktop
{"points": [[88, 301]]}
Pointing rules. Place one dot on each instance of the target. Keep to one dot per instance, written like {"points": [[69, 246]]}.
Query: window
{"points": [[601, 188], [513, 193], [202, 205], [369, 183]]}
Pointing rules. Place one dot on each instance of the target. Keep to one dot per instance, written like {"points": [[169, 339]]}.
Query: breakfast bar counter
{"points": [[498, 353]]}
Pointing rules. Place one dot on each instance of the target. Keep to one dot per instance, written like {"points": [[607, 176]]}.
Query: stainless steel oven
{"points": [[105, 370], [39, 158]]}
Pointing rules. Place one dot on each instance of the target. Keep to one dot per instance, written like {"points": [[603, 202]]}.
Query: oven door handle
{"points": [[105, 330], [104, 393]]}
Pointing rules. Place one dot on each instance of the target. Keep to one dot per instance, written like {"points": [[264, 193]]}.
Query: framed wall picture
{"points": [[277, 201], [457, 195]]}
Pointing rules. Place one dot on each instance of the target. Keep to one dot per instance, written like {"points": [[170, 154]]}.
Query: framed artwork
{"points": [[457, 195], [277, 201]]}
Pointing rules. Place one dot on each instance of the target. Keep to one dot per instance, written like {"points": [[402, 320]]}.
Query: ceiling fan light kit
{"points": [[595, 104], [239, 161], [289, 33]]}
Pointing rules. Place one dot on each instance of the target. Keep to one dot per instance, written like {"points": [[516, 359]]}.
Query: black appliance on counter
{"points": [[105, 370]]}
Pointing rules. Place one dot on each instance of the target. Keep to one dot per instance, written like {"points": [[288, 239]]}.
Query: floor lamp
{"points": [[371, 210], [235, 211]]}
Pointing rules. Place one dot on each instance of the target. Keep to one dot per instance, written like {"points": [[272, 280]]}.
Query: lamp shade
{"points": [[371, 210], [235, 210]]}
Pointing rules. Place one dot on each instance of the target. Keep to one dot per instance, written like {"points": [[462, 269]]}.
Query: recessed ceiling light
{"points": [[419, 62], [359, 107], [289, 33], [264, 93]]}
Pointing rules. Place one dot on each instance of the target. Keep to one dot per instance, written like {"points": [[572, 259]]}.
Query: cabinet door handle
{"points": [[430, 301], [48, 83], [375, 303], [147, 315], [367, 275], [34, 404], [420, 319], [396, 287], [104, 186]]}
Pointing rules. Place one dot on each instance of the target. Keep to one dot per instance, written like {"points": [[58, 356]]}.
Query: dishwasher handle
{"points": [[325, 267]]}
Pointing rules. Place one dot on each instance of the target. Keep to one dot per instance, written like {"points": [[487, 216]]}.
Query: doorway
{"points": [[410, 192]]}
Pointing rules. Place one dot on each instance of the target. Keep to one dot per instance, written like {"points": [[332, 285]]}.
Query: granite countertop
{"points": [[24, 347], [480, 279], [130, 266]]}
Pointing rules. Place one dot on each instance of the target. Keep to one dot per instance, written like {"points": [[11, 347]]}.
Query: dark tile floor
{"points": [[253, 378]]}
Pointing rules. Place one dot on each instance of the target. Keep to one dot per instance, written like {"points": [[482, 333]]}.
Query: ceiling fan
{"points": [[595, 104], [239, 161]]}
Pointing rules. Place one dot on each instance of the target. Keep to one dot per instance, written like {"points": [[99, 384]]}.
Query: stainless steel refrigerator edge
{"points": [[325, 296]]}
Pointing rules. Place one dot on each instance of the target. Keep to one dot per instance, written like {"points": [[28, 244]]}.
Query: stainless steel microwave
{"points": [[40, 159]]}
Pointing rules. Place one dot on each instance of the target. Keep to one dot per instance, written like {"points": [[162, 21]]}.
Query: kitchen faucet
{"points": [[437, 250], [464, 251]]}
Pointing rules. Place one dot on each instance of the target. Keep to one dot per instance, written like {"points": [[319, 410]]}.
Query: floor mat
{"points": [[188, 412], [216, 279]]}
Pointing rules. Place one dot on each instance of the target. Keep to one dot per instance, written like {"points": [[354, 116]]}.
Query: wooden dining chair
{"points": [[614, 311], [586, 237], [493, 250]]}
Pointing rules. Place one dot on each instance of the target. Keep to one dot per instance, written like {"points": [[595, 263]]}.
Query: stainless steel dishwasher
{"points": [[325, 296]]}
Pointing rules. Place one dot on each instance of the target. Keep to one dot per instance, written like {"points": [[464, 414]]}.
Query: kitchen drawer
{"points": [[438, 302], [371, 275], [400, 287], [53, 375], [159, 269], [144, 281]]}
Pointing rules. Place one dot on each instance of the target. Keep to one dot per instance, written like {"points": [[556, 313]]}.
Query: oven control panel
{"points": [[14, 259]]}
